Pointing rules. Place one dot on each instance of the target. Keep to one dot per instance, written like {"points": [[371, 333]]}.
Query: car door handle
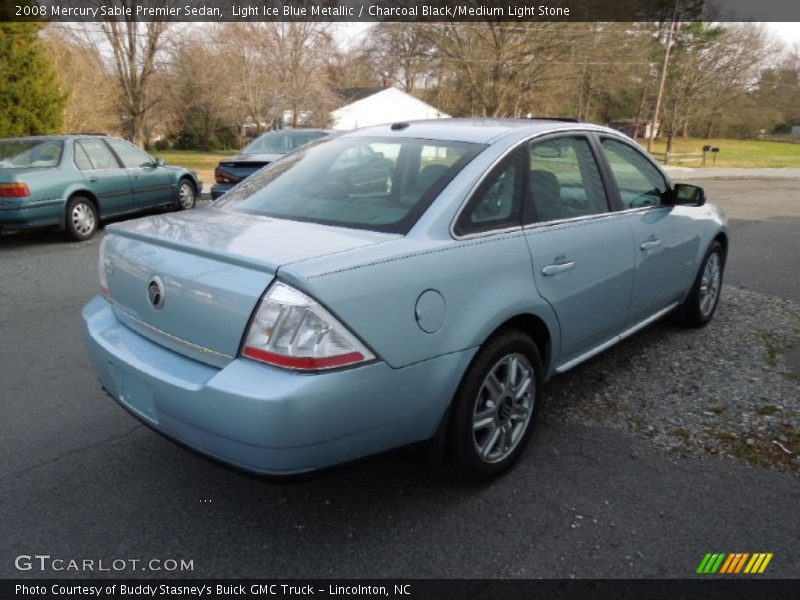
{"points": [[94, 179], [558, 267], [649, 244]]}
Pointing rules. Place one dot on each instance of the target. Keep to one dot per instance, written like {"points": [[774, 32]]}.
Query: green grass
{"points": [[733, 153], [202, 162]]}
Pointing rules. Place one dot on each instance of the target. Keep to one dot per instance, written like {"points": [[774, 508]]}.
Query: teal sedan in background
{"points": [[72, 182]]}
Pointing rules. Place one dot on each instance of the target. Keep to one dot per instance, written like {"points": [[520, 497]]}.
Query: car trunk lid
{"points": [[210, 267], [242, 166]]}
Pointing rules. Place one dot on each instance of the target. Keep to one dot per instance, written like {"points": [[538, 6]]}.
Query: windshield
{"points": [[37, 154], [282, 142], [364, 183]]}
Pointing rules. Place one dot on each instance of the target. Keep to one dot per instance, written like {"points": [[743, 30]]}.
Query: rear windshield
{"points": [[30, 154], [364, 183], [280, 142]]}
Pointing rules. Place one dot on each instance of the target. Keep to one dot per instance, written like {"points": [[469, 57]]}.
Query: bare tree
{"points": [[491, 68], [301, 50], [82, 74], [135, 47], [399, 52]]}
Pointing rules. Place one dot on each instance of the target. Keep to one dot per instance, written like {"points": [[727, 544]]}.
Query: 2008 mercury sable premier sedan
{"points": [[401, 283]]}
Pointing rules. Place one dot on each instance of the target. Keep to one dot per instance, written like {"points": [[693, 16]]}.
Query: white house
{"points": [[375, 107]]}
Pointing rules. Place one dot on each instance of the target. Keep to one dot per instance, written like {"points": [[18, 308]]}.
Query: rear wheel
{"points": [[81, 218], [186, 195], [495, 407], [700, 305]]}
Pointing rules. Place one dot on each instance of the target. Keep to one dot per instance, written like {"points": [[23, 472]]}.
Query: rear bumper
{"points": [[265, 419], [27, 215], [220, 188]]}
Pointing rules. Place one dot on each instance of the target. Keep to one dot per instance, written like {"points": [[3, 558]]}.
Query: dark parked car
{"points": [[264, 150], [72, 182]]}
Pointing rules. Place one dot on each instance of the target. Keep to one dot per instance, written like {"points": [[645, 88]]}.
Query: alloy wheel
{"points": [[710, 284], [503, 408]]}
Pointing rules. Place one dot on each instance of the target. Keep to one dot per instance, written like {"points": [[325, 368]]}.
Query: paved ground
{"points": [[765, 224], [706, 173], [81, 479]]}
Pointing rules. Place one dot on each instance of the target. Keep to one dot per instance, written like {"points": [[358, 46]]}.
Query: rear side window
{"points": [[565, 181], [81, 158], [365, 183], [99, 154], [497, 203], [640, 183]]}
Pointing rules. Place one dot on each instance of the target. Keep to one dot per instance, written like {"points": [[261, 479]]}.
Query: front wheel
{"points": [[186, 195], [700, 305], [81, 218], [495, 407]]}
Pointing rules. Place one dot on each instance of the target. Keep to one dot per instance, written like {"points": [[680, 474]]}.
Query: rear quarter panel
{"points": [[50, 189], [484, 282]]}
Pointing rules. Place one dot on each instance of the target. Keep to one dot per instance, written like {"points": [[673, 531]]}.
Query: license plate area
{"points": [[135, 394]]}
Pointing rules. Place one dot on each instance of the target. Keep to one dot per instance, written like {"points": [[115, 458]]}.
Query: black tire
{"points": [[183, 202], [465, 440], [81, 220], [696, 311]]}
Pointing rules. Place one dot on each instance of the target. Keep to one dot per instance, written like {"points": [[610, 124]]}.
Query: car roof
{"points": [[474, 130], [58, 137], [297, 130]]}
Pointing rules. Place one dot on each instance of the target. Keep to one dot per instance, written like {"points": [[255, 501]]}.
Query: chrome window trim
{"points": [[578, 219], [566, 132], [480, 234], [611, 213]]}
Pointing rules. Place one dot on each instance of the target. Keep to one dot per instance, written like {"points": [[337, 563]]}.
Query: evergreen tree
{"points": [[31, 101]]}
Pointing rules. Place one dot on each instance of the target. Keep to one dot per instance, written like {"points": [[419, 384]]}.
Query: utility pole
{"points": [[664, 68]]}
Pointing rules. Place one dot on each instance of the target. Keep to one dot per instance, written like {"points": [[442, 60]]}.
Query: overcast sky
{"points": [[788, 32]]}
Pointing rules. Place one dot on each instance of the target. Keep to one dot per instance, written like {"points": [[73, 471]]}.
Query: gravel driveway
{"points": [[723, 391]]}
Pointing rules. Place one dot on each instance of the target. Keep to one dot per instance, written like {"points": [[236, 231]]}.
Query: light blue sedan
{"points": [[414, 282]]}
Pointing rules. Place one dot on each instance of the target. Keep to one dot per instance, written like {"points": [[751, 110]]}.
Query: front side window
{"points": [[497, 203], [130, 155], [565, 181], [640, 183], [364, 183], [99, 154], [30, 154]]}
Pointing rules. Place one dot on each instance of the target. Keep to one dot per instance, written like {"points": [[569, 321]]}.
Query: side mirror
{"points": [[688, 195], [159, 162]]}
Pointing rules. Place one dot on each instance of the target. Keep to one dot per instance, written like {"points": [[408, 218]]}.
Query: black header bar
{"points": [[399, 10]]}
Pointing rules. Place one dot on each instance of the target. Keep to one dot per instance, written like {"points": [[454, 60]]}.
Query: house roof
{"points": [[354, 94], [383, 106]]}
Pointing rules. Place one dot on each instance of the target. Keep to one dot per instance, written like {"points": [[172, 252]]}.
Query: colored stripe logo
{"points": [[737, 562]]}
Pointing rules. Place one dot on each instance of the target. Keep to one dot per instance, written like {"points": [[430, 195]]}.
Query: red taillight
{"points": [[222, 176], [293, 331], [14, 190], [303, 363]]}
